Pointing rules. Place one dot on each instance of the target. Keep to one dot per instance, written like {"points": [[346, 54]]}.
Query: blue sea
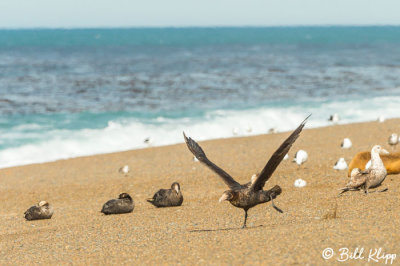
{"points": [[73, 92]]}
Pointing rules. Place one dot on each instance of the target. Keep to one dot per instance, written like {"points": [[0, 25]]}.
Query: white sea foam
{"points": [[130, 133], [32, 126]]}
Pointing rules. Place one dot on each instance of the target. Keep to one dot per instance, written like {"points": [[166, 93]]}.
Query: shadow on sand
{"points": [[224, 229]]}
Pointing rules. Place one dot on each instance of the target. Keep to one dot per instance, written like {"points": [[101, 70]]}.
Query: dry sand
{"points": [[201, 231]]}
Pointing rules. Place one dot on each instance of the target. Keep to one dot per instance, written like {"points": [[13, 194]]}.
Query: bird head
{"points": [[379, 150], [175, 186], [125, 196], [43, 203], [227, 195]]}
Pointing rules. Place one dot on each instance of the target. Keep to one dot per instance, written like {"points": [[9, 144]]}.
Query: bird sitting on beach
{"points": [[393, 140], [124, 204], [42, 210], [346, 143], [300, 157], [300, 183], [168, 197], [124, 169], [340, 164], [251, 194], [370, 178]]}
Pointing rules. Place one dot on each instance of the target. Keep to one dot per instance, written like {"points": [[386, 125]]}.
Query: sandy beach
{"points": [[201, 231]]}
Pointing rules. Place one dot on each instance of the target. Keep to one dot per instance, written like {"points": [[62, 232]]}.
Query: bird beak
{"points": [[223, 197], [383, 151]]}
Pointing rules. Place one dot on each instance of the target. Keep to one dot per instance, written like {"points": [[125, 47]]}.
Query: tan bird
{"points": [[370, 178], [391, 162]]}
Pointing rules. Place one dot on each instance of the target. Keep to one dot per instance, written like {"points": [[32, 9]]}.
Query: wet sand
{"points": [[201, 231]]}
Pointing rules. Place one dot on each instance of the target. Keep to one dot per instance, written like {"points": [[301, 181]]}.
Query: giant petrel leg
{"points": [[245, 219]]}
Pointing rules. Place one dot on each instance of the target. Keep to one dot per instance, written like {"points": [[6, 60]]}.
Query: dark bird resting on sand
{"points": [[251, 194], [124, 204], [168, 197], [42, 210]]}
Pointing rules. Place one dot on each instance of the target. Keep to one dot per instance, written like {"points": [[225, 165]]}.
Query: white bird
{"points": [[340, 164], [286, 157], [381, 119], [393, 140], [346, 143], [235, 131], [124, 169], [334, 118], [300, 183], [300, 157]]}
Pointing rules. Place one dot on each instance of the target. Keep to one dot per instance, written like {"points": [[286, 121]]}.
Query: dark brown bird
{"points": [[124, 204], [42, 210], [168, 197], [251, 194]]}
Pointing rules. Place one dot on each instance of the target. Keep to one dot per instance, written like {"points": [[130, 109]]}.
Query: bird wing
{"points": [[109, 203], [276, 158], [358, 179], [201, 156], [161, 194]]}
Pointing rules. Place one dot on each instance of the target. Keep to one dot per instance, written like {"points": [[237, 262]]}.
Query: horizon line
{"points": [[199, 27]]}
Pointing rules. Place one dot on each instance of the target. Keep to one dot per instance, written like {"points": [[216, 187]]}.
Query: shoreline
{"points": [[201, 231], [178, 143]]}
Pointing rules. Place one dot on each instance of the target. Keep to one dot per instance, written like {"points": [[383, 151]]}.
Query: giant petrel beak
{"points": [[223, 197]]}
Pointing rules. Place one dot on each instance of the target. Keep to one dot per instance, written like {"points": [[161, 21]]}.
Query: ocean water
{"points": [[67, 93]]}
